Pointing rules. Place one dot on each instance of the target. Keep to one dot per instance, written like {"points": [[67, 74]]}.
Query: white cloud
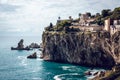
{"points": [[33, 15]]}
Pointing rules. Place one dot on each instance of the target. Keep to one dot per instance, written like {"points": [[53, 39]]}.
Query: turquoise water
{"points": [[15, 66]]}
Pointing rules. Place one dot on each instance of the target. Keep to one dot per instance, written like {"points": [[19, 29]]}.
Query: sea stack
{"points": [[20, 46]]}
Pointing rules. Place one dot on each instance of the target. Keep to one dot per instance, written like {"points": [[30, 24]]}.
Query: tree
{"points": [[93, 16], [49, 28], [100, 22], [64, 23], [59, 18], [106, 12], [88, 14], [79, 14], [97, 14], [51, 25], [70, 17], [116, 13]]}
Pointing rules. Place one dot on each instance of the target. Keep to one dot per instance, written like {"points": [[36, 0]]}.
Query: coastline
{"points": [[52, 41]]}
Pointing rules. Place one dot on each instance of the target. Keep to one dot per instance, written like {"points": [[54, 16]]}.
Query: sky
{"points": [[30, 17]]}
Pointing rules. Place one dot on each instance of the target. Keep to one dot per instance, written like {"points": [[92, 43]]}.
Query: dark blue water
{"points": [[15, 66]]}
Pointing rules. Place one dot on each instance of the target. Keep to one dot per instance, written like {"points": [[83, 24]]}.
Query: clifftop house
{"points": [[85, 20], [86, 23], [112, 25]]}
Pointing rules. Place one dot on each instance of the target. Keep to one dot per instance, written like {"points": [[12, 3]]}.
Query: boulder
{"points": [[88, 73], [96, 73], [33, 56], [102, 74]]}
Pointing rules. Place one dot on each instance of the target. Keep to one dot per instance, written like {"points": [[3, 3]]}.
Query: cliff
{"points": [[98, 49]]}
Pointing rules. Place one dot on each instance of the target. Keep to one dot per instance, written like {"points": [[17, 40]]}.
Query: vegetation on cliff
{"points": [[107, 13], [61, 26]]}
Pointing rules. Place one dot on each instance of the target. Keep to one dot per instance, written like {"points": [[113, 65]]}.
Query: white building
{"points": [[112, 28]]}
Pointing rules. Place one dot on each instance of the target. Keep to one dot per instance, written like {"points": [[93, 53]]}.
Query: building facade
{"points": [[112, 25]]}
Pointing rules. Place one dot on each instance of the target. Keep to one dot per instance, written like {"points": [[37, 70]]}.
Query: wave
{"points": [[36, 78], [38, 59], [93, 72], [73, 68], [21, 57], [69, 76], [67, 67]]}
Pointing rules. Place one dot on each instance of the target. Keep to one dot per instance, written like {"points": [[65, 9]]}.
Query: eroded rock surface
{"points": [[98, 49]]}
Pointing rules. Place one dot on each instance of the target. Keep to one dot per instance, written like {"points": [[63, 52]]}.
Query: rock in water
{"points": [[33, 56], [34, 45], [88, 73], [20, 44], [95, 73]]}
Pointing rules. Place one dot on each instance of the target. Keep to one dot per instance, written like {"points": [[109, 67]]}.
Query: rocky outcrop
{"points": [[88, 73], [33, 56], [20, 46], [34, 45], [98, 49]]}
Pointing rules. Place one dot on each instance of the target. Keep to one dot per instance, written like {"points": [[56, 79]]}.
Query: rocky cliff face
{"points": [[82, 48]]}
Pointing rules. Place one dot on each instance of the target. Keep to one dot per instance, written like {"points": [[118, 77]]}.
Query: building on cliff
{"points": [[85, 20], [86, 23], [112, 25]]}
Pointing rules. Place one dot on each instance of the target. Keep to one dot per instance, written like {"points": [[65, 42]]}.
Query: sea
{"points": [[14, 64]]}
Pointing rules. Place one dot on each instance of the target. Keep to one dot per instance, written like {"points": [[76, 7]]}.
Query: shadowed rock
{"points": [[34, 45], [113, 74], [82, 48], [20, 44], [33, 56], [88, 73]]}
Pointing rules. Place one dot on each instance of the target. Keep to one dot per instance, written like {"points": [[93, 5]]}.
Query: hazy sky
{"points": [[29, 17]]}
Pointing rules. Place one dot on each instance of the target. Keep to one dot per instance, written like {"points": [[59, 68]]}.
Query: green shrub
{"points": [[62, 24], [49, 28]]}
